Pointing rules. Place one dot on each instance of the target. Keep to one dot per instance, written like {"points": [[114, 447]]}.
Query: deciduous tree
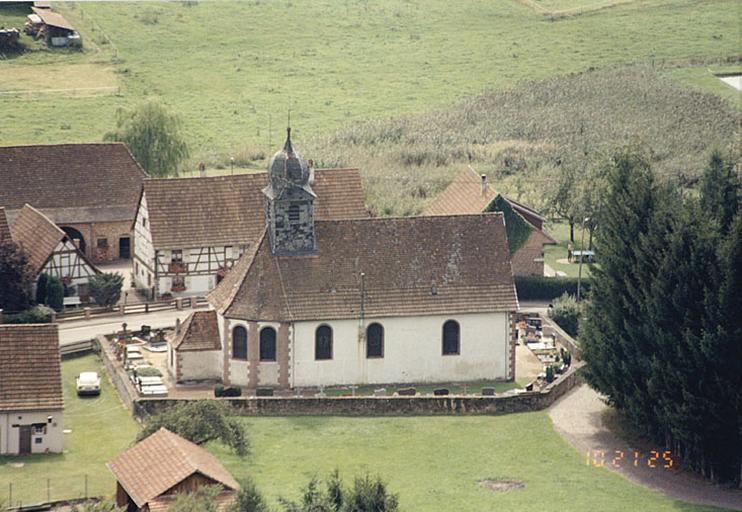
{"points": [[153, 136]]}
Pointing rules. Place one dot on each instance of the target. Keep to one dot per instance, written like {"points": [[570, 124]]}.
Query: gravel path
{"points": [[578, 417]]}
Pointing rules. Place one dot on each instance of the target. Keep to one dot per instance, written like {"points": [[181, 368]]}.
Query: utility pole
{"points": [[582, 257]]}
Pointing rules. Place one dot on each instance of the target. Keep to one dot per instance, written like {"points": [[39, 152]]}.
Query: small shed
{"points": [[152, 473], [54, 28]]}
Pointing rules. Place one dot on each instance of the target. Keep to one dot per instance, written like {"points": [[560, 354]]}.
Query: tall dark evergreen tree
{"points": [[720, 189], [662, 332], [611, 336]]}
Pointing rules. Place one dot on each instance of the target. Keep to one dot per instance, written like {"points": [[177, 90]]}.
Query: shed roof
{"points": [[387, 266], [161, 461], [70, 183], [200, 331], [30, 367], [227, 210], [51, 18]]}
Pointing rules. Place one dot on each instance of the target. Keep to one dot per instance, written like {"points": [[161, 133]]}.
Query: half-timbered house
{"points": [[471, 193], [189, 231], [50, 251], [361, 301], [89, 190]]}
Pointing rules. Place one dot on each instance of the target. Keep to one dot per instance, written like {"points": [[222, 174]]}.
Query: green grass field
{"points": [[555, 255], [435, 463], [100, 428], [232, 69]]}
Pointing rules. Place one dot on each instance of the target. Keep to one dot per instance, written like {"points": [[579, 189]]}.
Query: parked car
{"points": [[88, 383]]}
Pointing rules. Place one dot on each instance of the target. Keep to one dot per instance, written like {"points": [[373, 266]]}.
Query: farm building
{"points": [[318, 302], [31, 403], [52, 27], [89, 190], [470, 193], [189, 231], [50, 251], [152, 473]]}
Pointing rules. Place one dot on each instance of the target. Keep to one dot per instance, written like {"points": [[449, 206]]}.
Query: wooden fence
{"points": [[132, 309]]}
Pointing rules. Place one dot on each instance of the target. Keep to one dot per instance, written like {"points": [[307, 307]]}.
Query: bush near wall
{"points": [[548, 288], [36, 315]]}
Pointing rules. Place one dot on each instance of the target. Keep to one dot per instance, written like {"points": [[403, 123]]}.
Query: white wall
{"points": [[201, 365], [412, 351], [52, 441], [143, 249]]}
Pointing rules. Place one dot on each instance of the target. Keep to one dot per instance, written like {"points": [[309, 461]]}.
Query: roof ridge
{"points": [[414, 217], [57, 144]]}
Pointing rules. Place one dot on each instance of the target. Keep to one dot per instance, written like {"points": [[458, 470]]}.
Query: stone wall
{"points": [[388, 406], [117, 375]]}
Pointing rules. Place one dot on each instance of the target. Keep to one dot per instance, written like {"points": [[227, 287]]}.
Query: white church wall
{"points": [[412, 351], [201, 365]]}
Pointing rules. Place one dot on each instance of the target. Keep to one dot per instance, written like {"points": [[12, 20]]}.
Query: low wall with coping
{"points": [[386, 406], [117, 375]]}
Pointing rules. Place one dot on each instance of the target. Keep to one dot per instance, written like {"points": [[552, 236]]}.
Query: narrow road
{"points": [[578, 417], [80, 330]]}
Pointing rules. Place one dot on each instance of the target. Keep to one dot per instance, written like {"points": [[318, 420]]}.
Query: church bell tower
{"points": [[289, 208]]}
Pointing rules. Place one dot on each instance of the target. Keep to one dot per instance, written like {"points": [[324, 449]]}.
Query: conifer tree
{"points": [[720, 189]]}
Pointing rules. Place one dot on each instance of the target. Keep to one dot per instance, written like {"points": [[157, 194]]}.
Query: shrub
{"points": [[106, 288], [199, 422], [41, 288], [218, 390], [550, 374], [39, 314], [55, 294], [548, 288], [566, 313]]}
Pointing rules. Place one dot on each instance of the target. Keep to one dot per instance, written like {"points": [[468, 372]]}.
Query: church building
{"points": [[358, 301]]}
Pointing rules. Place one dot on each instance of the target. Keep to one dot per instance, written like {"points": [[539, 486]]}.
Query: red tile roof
{"points": [[72, 182], [229, 210], [161, 461], [37, 235], [30, 370], [465, 194], [411, 266], [200, 331]]}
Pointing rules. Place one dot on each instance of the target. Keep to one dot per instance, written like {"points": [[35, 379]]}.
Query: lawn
{"points": [[556, 255], [100, 428], [233, 69], [435, 463], [704, 78]]}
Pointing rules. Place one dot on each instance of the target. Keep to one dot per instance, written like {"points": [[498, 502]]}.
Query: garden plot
{"points": [[77, 79]]}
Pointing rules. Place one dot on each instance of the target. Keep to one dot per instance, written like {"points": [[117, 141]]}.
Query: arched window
{"points": [[451, 338], [294, 214], [375, 341], [323, 342], [239, 342], [268, 344]]}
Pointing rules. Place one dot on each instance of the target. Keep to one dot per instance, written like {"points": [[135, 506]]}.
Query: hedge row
{"points": [[548, 288], [36, 315]]}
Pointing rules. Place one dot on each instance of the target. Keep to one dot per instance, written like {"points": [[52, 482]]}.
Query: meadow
{"points": [[232, 70]]}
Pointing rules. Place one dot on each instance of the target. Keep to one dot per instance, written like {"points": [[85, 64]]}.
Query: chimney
{"points": [[201, 170], [311, 171], [484, 185], [177, 326]]}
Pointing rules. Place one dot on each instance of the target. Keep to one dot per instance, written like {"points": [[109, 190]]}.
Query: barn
{"points": [[89, 190]]}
